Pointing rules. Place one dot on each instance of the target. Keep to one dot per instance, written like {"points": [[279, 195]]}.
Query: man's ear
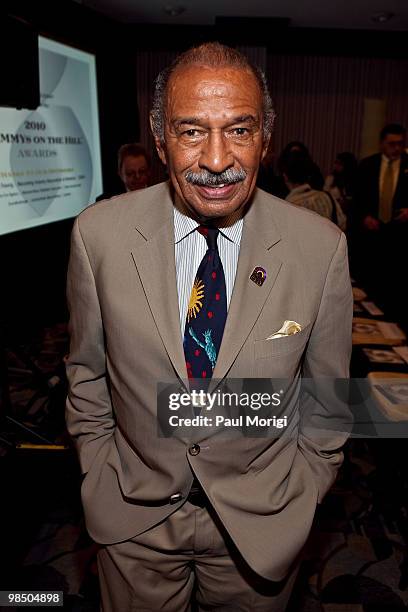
{"points": [[159, 145]]}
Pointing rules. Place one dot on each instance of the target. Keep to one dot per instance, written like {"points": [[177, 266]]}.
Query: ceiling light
{"points": [[174, 10], [382, 17]]}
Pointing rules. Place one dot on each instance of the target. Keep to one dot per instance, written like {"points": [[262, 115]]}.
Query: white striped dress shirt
{"points": [[190, 248]]}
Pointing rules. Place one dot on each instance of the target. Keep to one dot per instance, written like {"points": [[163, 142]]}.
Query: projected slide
{"points": [[50, 166]]}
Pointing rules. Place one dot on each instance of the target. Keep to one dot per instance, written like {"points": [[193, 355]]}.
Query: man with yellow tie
{"points": [[382, 189], [382, 207]]}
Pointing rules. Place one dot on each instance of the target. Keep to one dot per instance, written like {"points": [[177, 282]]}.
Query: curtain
{"points": [[320, 100]]}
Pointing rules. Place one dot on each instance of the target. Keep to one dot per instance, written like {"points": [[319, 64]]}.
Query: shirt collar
{"points": [[386, 160], [185, 224]]}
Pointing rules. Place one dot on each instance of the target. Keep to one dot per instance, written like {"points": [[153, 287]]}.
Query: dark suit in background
{"points": [[368, 186], [377, 256]]}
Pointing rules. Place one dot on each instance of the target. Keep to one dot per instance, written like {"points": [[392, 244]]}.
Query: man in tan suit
{"points": [[223, 515]]}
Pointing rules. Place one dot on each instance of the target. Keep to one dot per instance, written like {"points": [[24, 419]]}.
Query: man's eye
{"points": [[191, 133], [240, 131]]}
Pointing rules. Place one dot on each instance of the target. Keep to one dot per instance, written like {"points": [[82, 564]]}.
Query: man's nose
{"points": [[216, 154]]}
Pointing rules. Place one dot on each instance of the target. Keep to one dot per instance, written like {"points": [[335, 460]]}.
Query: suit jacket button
{"points": [[194, 449], [174, 499]]}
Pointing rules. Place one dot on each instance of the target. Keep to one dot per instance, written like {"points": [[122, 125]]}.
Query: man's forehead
{"points": [[135, 159], [218, 78], [201, 91], [394, 138]]}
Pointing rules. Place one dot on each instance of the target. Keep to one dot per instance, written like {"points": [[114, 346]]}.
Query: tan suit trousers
{"points": [[187, 556]]}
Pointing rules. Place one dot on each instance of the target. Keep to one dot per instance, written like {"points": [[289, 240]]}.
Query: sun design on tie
{"points": [[195, 304]]}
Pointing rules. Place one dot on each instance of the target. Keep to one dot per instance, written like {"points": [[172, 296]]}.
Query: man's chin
{"points": [[215, 208]]}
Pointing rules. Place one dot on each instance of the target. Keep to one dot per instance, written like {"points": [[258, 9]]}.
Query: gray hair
{"points": [[214, 55]]}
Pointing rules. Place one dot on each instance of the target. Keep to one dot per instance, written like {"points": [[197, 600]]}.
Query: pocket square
{"points": [[288, 329]]}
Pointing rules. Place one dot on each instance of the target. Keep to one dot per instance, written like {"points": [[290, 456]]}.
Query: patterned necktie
{"points": [[387, 194], [207, 311]]}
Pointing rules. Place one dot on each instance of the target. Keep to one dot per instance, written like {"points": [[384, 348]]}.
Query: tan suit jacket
{"points": [[125, 337]]}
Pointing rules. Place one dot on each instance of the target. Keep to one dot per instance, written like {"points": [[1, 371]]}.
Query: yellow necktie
{"points": [[387, 194]]}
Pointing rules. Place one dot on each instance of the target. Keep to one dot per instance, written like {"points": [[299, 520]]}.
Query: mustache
{"points": [[205, 178]]}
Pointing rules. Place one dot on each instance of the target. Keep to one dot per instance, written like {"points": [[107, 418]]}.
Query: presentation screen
{"points": [[50, 164]]}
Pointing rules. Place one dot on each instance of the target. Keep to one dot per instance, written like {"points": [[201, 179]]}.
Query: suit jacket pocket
{"points": [[281, 346]]}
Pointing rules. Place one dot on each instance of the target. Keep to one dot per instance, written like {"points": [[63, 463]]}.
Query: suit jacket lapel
{"points": [[259, 236], [376, 184], [153, 255], [398, 195]]}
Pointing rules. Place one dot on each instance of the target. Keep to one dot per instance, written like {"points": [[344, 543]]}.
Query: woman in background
{"points": [[315, 179], [340, 183]]}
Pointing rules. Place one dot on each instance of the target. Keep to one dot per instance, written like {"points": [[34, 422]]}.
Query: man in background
{"points": [[134, 169], [134, 166], [382, 182], [381, 217]]}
